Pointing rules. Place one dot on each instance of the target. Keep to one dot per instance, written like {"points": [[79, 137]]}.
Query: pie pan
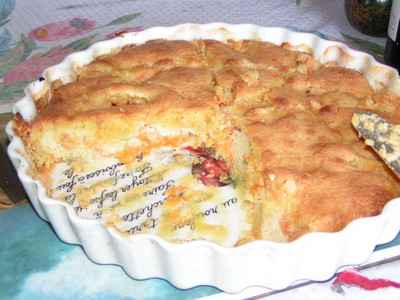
{"points": [[314, 256]]}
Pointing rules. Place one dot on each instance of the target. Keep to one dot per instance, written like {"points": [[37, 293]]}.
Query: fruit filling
{"points": [[211, 171]]}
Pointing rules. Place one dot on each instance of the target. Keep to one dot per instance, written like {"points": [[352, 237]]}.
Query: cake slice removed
{"points": [[120, 160]]}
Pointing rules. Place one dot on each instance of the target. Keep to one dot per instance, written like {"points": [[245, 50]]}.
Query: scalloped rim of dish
{"points": [[314, 256]]}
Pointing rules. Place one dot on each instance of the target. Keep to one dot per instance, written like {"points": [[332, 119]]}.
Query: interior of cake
{"points": [[141, 180]]}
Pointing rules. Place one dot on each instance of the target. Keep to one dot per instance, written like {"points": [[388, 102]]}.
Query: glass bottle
{"points": [[392, 49], [370, 17]]}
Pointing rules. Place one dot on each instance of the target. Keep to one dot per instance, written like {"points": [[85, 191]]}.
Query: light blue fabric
{"points": [[36, 265], [6, 7], [5, 39]]}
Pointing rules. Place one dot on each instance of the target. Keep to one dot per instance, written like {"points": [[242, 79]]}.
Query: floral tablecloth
{"points": [[36, 34]]}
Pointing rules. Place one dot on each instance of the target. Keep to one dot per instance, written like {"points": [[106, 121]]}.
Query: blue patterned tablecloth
{"points": [[36, 265]]}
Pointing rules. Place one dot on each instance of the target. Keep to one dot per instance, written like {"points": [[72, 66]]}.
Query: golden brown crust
{"points": [[306, 169], [329, 79], [325, 201]]}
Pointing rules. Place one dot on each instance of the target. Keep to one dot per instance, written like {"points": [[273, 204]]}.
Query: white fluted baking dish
{"points": [[314, 256]]}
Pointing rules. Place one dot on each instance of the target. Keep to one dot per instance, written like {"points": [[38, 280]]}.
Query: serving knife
{"points": [[382, 136]]}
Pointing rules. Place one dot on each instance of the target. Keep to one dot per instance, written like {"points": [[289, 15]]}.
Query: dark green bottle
{"points": [[392, 49], [370, 17]]}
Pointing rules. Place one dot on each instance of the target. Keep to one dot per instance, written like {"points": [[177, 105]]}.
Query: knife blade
{"points": [[382, 136]]}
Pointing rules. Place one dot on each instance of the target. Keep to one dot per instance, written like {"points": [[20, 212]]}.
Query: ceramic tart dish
{"points": [[225, 163]]}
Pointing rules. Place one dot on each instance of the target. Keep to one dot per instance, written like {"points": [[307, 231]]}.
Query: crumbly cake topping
{"points": [[259, 140]]}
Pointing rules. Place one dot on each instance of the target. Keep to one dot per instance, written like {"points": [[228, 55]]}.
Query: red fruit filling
{"points": [[209, 170]]}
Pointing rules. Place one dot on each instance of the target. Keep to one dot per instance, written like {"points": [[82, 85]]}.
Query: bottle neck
{"points": [[393, 29]]}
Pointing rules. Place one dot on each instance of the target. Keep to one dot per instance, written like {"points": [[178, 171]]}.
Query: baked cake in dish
{"points": [[228, 142]]}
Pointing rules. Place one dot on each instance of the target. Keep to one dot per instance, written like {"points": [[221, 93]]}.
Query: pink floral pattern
{"points": [[31, 68], [62, 30], [25, 58]]}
